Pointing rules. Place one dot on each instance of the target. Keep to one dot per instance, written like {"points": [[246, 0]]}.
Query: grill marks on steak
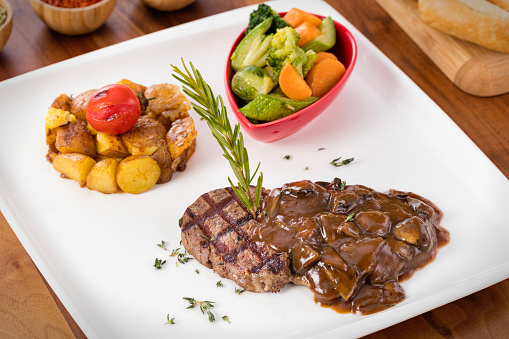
{"points": [[217, 231]]}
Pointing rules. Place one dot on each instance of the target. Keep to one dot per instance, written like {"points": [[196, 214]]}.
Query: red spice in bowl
{"points": [[345, 50], [71, 3]]}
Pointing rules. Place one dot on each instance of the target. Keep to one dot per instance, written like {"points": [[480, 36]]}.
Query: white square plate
{"points": [[97, 250]]}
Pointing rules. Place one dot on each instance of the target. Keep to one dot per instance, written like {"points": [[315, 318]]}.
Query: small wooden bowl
{"points": [[74, 21], [167, 5], [6, 27]]}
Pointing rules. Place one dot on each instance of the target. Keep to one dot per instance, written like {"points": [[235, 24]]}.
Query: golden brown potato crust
{"points": [[161, 142]]}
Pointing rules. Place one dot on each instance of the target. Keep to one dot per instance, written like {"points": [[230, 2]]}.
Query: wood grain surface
{"points": [[28, 306], [474, 69]]}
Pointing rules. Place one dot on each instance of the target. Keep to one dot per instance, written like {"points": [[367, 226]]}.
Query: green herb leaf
{"points": [[231, 141], [219, 284], [239, 291], [337, 163], [349, 217], [287, 157], [225, 318], [162, 245], [170, 321], [205, 307], [159, 263]]}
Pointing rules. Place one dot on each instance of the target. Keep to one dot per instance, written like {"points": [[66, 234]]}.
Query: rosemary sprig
{"points": [[213, 111]]}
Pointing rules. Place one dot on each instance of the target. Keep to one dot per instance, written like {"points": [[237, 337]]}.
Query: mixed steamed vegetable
{"points": [[282, 64]]}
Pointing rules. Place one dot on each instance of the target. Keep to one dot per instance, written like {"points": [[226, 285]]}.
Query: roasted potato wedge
{"points": [[55, 118], [142, 139], [163, 157], [166, 98], [75, 138], [137, 174], [102, 176], [79, 104], [181, 140], [74, 166], [110, 146], [62, 102]]}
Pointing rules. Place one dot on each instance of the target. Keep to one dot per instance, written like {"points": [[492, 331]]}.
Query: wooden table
{"points": [[28, 306]]}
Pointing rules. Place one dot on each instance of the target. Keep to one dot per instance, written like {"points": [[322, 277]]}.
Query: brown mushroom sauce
{"points": [[350, 244]]}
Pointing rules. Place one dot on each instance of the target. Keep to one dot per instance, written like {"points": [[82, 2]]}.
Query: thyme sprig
{"points": [[231, 141], [158, 263], [338, 163], [205, 307]]}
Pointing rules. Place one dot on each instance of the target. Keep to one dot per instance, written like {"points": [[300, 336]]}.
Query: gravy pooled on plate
{"points": [[351, 245]]}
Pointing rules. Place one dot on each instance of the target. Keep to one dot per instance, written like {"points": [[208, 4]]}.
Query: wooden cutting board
{"points": [[474, 69]]}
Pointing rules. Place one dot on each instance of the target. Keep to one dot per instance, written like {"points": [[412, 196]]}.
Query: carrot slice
{"points": [[292, 84], [307, 32], [294, 17], [323, 76], [321, 56]]}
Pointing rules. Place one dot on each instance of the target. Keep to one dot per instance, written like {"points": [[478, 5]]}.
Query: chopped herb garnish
{"points": [[287, 157], [225, 318], [162, 245], [182, 258], [239, 291], [307, 167], [170, 321], [321, 148], [175, 252], [197, 271], [219, 284], [205, 307], [350, 217], [180, 222], [337, 163], [230, 140], [158, 263]]}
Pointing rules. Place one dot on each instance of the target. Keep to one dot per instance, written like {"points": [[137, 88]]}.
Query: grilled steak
{"points": [[216, 231]]}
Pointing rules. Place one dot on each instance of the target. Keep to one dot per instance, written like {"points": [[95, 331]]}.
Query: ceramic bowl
{"points": [[6, 27], [74, 21], [167, 5], [346, 51]]}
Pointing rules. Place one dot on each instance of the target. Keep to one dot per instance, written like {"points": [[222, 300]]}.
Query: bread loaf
{"points": [[483, 22]]}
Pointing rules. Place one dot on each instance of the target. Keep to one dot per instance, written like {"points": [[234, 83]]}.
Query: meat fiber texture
{"points": [[217, 231]]}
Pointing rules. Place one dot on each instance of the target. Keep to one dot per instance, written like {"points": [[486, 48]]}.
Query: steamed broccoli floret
{"points": [[284, 49], [260, 14]]}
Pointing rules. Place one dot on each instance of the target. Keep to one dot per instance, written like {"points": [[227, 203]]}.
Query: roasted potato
{"points": [[163, 157], [62, 102], [79, 104], [166, 98], [161, 142], [75, 138], [181, 140], [102, 176], [55, 118], [137, 174], [110, 146], [142, 139], [74, 166]]}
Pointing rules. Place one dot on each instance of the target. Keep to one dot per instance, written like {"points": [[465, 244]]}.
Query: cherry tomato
{"points": [[113, 109]]}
